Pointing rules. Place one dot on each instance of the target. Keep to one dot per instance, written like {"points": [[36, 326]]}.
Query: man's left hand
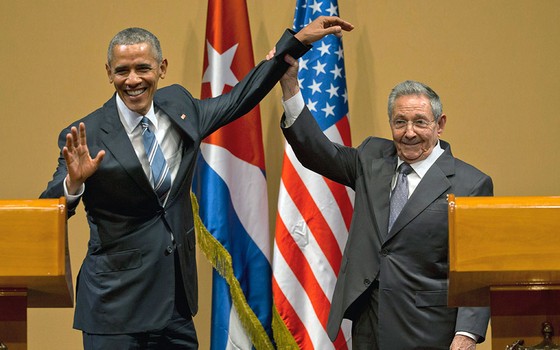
{"points": [[321, 27]]}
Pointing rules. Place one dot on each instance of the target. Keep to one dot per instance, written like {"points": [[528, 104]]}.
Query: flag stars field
{"points": [[324, 48], [319, 68]]}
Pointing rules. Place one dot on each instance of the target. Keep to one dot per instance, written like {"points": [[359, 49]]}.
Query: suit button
{"points": [[168, 250], [367, 282], [384, 252]]}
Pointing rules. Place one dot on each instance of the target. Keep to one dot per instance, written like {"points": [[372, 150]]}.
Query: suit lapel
{"points": [[382, 171], [181, 120], [432, 186], [116, 141]]}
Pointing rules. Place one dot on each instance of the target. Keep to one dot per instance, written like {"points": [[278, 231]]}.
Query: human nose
{"points": [[133, 78], [409, 129]]}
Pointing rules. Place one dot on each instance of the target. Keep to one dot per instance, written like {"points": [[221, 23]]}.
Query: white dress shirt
{"points": [[419, 168], [167, 136]]}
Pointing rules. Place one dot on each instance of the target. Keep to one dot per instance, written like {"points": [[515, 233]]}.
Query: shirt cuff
{"points": [[470, 335], [292, 109], [73, 198]]}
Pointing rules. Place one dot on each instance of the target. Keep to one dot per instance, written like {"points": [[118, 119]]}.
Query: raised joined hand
{"points": [[323, 26]]}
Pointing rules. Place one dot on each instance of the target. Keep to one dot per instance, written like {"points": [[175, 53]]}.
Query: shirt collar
{"points": [[422, 167], [131, 119]]}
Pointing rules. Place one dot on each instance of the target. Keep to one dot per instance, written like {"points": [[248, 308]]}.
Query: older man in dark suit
{"points": [[137, 287], [393, 279]]}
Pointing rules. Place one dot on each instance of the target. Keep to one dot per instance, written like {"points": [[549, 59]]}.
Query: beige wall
{"points": [[494, 63]]}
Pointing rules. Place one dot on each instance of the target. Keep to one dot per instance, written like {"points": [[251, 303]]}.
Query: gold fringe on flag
{"points": [[220, 259], [282, 336]]}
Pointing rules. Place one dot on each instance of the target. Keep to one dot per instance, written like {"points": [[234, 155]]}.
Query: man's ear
{"points": [[163, 68], [109, 73], [441, 124]]}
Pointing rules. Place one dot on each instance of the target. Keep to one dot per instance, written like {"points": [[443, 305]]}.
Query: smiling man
{"points": [[137, 286], [415, 143], [135, 70], [393, 280]]}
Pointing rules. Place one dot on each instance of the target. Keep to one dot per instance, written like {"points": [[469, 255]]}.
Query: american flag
{"points": [[229, 180], [314, 213]]}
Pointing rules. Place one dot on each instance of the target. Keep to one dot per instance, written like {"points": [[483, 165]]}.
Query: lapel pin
{"points": [[183, 116]]}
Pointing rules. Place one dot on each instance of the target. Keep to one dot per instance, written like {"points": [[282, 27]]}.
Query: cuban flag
{"points": [[230, 184], [314, 213]]}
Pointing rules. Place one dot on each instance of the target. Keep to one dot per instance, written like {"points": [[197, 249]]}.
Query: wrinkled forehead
{"points": [[133, 52], [412, 105]]}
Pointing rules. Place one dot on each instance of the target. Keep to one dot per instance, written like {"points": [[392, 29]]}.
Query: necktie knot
{"points": [[405, 169], [145, 123]]}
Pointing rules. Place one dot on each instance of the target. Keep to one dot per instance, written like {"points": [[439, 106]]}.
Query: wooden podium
{"points": [[34, 263], [504, 252]]}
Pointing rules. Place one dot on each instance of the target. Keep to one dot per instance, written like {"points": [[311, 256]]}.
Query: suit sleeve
{"points": [[475, 319], [317, 153], [245, 95]]}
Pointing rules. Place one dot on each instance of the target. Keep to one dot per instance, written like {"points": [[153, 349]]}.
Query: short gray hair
{"points": [[411, 87], [132, 36]]}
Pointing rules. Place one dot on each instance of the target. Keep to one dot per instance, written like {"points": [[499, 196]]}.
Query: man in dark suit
{"points": [[137, 286], [393, 281]]}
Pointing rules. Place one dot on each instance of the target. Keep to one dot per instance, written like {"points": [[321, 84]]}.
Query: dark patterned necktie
{"points": [[400, 193], [160, 176]]}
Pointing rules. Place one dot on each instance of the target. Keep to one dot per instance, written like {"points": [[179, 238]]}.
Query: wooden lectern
{"points": [[504, 252], [34, 263]]}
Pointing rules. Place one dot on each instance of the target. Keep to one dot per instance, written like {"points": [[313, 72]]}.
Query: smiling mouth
{"points": [[133, 93]]}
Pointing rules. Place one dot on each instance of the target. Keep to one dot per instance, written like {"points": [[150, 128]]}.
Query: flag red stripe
{"points": [[303, 272], [228, 25], [340, 195], [343, 126], [290, 317], [301, 269], [339, 192], [312, 214]]}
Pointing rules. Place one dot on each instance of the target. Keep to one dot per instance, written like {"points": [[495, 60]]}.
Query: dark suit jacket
{"points": [[126, 283], [411, 261]]}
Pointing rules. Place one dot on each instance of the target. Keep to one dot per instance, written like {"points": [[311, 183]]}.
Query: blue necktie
{"points": [[400, 194], [160, 177]]}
